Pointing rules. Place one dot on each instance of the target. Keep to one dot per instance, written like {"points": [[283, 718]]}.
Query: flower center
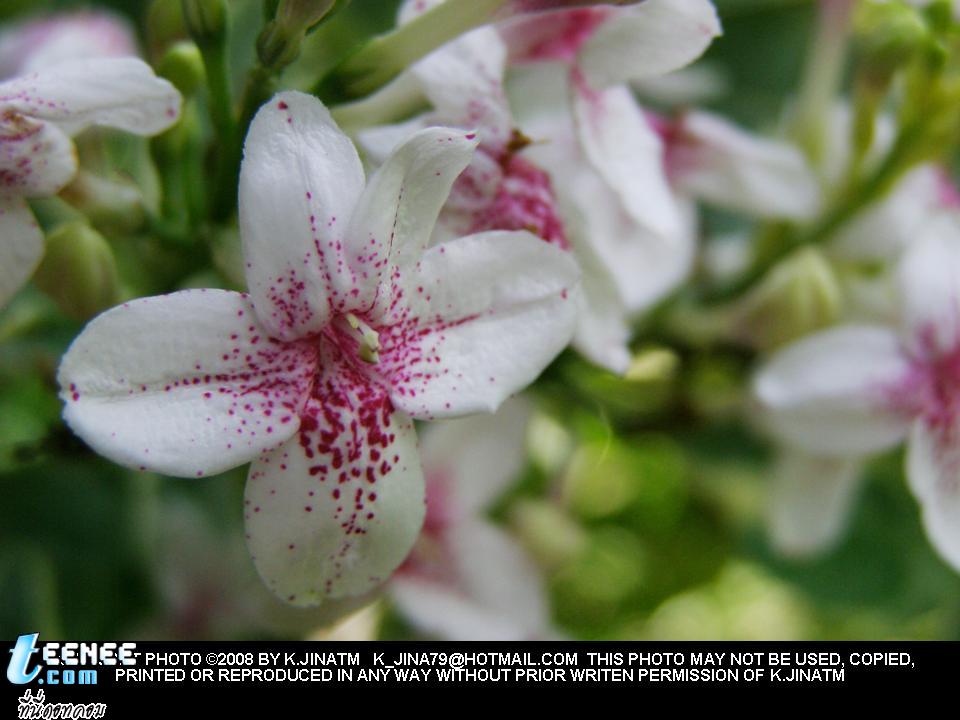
{"points": [[931, 390], [368, 339]]}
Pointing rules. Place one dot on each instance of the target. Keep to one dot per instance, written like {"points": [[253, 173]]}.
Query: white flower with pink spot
{"points": [[594, 178], [855, 390], [351, 329], [466, 578], [39, 114]]}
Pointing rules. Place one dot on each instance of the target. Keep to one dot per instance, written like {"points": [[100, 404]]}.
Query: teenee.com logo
{"points": [[61, 662]]}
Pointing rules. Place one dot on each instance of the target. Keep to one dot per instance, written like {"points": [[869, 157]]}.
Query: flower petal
{"points": [[477, 457], [464, 82], [830, 393], [36, 158], [21, 246], [733, 169], [642, 267], [335, 510], [299, 183], [933, 469], [929, 280], [603, 331], [487, 314], [810, 501], [121, 93], [396, 214], [498, 596], [653, 38], [46, 41], [186, 384], [629, 155]]}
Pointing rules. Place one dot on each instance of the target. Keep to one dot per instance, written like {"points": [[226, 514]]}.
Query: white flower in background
{"points": [[855, 390], [769, 178], [632, 238], [466, 579], [41, 43], [39, 113], [352, 327], [208, 589], [716, 161]]}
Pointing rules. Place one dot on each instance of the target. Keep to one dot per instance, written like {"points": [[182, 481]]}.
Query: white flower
{"points": [[855, 390], [604, 161], [634, 237], [351, 328], [466, 579], [39, 113], [44, 42]]}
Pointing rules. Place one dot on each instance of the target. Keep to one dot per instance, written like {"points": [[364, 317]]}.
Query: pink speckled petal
{"points": [[121, 93], [933, 469], [833, 393], [187, 384], [336, 509], [487, 314], [21, 246], [477, 457], [722, 164], [628, 154], [649, 39], [929, 281], [493, 591], [395, 217], [36, 158], [300, 180]]}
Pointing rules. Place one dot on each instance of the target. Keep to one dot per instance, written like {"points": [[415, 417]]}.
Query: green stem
{"points": [[383, 58], [869, 191]]}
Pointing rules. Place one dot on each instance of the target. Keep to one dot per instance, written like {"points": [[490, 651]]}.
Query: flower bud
{"points": [[279, 43], [799, 295], [206, 20], [78, 270], [182, 65], [889, 35], [110, 205]]}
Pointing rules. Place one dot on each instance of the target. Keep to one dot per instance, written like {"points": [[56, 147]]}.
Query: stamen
{"points": [[369, 339]]}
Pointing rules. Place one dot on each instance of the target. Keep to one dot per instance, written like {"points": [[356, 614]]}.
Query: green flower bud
{"points": [[78, 270], [206, 20], [799, 295], [113, 206], [279, 43], [164, 25], [182, 65], [889, 35], [303, 15]]}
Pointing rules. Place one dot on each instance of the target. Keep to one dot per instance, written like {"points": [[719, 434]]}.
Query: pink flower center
{"points": [[524, 200], [931, 389]]}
